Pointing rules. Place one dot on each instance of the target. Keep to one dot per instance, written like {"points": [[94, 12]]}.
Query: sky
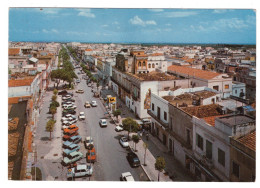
{"points": [[232, 26]]}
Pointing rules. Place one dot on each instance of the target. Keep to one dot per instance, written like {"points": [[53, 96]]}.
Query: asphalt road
{"points": [[111, 157]]}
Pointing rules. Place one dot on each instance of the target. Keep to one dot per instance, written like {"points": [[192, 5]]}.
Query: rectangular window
{"points": [[235, 91], [188, 135], [227, 86], [199, 141], [235, 169], [208, 149], [165, 116], [221, 157], [159, 113], [215, 87], [152, 107]]}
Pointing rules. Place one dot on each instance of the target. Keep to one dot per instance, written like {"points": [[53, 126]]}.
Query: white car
{"points": [[64, 127], [94, 103], [82, 116], [127, 176], [123, 141], [66, 123], [68, 115], [118, 128], [103, 123], [64, 119], [80, 171], [88, 141]]}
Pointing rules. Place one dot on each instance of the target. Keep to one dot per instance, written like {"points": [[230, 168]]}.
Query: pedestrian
{"points": [[147, 136]]}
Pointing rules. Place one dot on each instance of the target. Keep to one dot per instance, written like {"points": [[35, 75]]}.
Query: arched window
{"points": [[139, 64], [153, 65], [143, 63], [149, 65]]}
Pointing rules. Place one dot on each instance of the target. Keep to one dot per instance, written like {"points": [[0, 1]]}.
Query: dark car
{"points": [[133, 159], [70, 99], [69, 111], [63, 92]]}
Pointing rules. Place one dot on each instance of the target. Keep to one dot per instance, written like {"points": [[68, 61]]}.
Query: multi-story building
{"points": [[211, 144], [198, 78]]}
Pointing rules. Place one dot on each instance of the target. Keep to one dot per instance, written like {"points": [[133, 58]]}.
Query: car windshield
{"points": [[135, 159], [124, 140]]}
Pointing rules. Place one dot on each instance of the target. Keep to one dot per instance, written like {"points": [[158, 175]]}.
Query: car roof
{"points": [[126, 174], [74, 137], [67, 143], [73, 145], [130, 178], [89, 137], [74, 153], [81, 167]]}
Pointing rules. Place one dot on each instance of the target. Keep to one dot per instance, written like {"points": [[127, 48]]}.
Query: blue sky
{"points": [[133, 25]]}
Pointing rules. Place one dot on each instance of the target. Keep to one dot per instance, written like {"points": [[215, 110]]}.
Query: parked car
{"points": [[123, 141], [70, 99], [94, 103], [68, 136], [78, 81], [119, 129], [75, 139], [64, 119], [126, 176], [88, 141], [72, 157], [133, 159], [62, 92], [89, 85], [69, 111], [72, 128], [103, 123], [68, 115], [66, 98], [66, 144], [82, 116], [71, 148], [79, 91], [80, 171], [87, 104], [67, 123], [91, 155]]}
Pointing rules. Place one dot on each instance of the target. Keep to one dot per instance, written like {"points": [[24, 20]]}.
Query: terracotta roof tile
{"points": [[249, 140], [204, 110], [193, 72], [88, 50], [211, 119], [157, 54], [17, 83], [13, 100], [13, 51]]}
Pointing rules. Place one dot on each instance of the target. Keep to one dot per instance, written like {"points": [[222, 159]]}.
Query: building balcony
{"points": [[165, 125], [120, 85]]}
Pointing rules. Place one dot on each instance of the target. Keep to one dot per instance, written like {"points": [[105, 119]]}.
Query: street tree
{"points": [[130, 125], [55, 91], [54, 97], [58, 75], [53, 110], [117, 113], [145, 145], [50, 126], [135, 139], [159, 165]]}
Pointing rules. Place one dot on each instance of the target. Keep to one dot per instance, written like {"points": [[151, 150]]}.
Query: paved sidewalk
{"points": [[175, 171]]}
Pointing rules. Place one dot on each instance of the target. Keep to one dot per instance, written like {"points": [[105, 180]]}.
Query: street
{"points": [[111, 157]]}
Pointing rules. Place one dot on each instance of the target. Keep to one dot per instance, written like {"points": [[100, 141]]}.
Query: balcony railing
{"points": [[120, 85], [165, 125]]}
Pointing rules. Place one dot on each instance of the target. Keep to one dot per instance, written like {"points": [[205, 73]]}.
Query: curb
{"points": [[146, 173]]}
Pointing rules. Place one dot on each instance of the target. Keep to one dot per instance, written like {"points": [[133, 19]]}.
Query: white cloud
{"points": [[179, 14], [156, 10], [151, 22], [220, 11], [50, 31], [54, 31], [233, 23], [115, 23], [86, 13], [75, 33], [138, 21]]}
